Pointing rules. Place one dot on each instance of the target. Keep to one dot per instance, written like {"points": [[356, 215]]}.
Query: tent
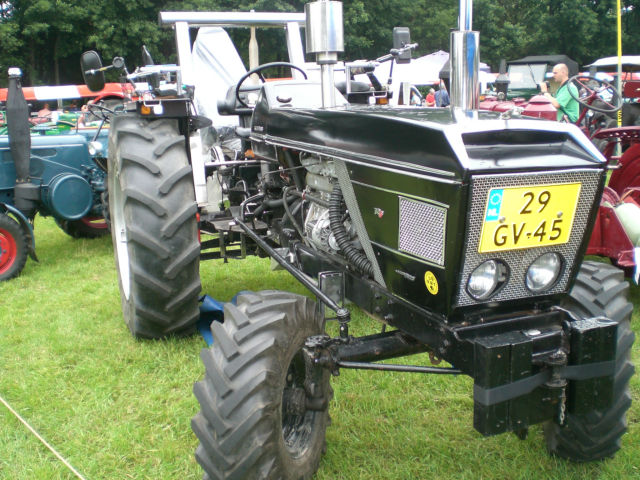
{"points": [[421, 71]]}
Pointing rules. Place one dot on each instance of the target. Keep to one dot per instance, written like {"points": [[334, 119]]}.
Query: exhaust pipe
{"points": [[464, 60], [325, 38], [26, 194]]}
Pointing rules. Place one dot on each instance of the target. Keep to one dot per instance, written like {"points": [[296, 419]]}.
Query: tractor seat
{"points": [[229, 104], [360, 91]]}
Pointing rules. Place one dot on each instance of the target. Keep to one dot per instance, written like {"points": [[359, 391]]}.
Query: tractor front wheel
{"points": [[264, 407], [600, 290], [13, 248], [153, 226]]}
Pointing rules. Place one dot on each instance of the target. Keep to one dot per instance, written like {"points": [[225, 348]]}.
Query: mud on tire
{"points": [[249, 425], [152, 210], [600, 289]]}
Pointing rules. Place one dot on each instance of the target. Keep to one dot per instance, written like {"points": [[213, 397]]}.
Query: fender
{"points": [[25, 224]]}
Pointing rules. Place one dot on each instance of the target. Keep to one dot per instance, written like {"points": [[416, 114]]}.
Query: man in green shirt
{"points": [[567, 105]]}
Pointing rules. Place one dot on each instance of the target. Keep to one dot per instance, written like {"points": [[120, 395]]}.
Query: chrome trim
{"points": [[338, 153]]}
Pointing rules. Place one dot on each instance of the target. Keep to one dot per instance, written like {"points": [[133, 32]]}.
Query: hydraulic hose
{"points": [[353, 255]]}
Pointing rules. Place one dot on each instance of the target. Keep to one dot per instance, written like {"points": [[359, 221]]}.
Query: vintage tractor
{"points": [[48, 174], [462, 232]]}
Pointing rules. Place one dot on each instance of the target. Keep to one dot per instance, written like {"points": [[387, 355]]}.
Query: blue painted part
{"points": [[210, 311], [25, 224], [52, 156], [69, 197]]}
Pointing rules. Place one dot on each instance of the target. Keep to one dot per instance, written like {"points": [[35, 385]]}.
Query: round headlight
{"points": [[543, 272], [95, 148], [486, 278]]}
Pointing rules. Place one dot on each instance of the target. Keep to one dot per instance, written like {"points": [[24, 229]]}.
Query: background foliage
{"points": [[46, 37]]}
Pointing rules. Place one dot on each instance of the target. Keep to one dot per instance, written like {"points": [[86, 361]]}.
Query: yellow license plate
{"points": [[528, 217]]}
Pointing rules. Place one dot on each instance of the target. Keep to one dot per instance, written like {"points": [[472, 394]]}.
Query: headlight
{"points": [[486, 279], [543, 272], [95, 148]]}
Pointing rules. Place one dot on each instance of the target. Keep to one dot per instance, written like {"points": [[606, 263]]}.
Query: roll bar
{"points": [[182, 22]]}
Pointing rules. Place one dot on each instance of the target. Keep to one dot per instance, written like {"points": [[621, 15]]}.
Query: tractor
{"points": [[56, 175], [462, 232]]}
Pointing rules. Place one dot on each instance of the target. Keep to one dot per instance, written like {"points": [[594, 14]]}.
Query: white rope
{"points": [[39, 437]]}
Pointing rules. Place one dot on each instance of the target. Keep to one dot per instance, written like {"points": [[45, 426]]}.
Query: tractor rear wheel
{"points": [[264, 410], [153, 226], [600, 290], [87, 227], [13, 248]]}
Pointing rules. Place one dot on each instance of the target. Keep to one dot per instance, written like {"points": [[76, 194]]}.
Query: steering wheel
{"points": [[591, 89], [99, 111], [258, 70]]}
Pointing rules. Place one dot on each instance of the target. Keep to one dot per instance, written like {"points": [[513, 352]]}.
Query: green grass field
{"points": [[118, 408]]}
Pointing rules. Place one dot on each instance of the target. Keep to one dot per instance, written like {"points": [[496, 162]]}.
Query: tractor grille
{"points": [[519, 260], [422, 230]]}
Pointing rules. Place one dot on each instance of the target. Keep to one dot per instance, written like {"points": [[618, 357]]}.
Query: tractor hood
{"points": [[442, 142]]}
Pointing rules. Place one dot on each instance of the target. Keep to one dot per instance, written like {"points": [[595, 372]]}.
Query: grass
{"points": [[118, 408]]}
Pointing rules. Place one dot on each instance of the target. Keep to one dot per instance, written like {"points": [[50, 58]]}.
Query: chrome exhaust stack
{"points": [[325, 37], [464, 60]]}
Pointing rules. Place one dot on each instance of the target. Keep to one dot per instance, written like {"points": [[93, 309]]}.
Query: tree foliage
{"points": [[46, 37]]}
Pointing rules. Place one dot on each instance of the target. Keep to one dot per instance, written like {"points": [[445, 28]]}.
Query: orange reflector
{"points": [[145, 110]]}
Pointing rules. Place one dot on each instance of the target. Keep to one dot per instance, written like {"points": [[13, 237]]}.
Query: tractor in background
{"points": [[52, 175]]}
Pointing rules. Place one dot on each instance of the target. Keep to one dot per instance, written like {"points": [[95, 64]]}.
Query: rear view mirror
{"points": [[92, 73], [402, 37]]}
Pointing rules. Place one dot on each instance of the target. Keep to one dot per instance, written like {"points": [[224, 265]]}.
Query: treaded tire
{"points": [[104, 199], [600, 289], [83, 228], [243, 420], [13, 248], [154, 227]]}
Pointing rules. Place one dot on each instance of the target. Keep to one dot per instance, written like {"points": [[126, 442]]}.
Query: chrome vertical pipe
{"points": [[464, 61], [465, 20], [325, 38]]}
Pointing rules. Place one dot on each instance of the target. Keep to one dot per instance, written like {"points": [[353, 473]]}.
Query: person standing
{"points": [[442, 96], [564, 101], [430, 99]]}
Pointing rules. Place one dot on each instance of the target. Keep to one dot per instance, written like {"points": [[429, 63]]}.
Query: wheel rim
{"points": [[8, 250], [297, 420], [120, 236], [95, 223]]}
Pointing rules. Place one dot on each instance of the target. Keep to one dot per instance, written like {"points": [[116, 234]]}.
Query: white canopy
{"points": [[630, 63]]}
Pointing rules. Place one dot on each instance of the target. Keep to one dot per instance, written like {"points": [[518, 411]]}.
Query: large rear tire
{"points": [[256, 420], [13, 248], [154, 226], [600, 290]]}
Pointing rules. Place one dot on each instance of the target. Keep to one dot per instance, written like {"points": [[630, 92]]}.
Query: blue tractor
{"points": [[54, 175]]}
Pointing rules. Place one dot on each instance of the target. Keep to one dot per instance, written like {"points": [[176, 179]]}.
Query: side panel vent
{"points": [[422, 229]]}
